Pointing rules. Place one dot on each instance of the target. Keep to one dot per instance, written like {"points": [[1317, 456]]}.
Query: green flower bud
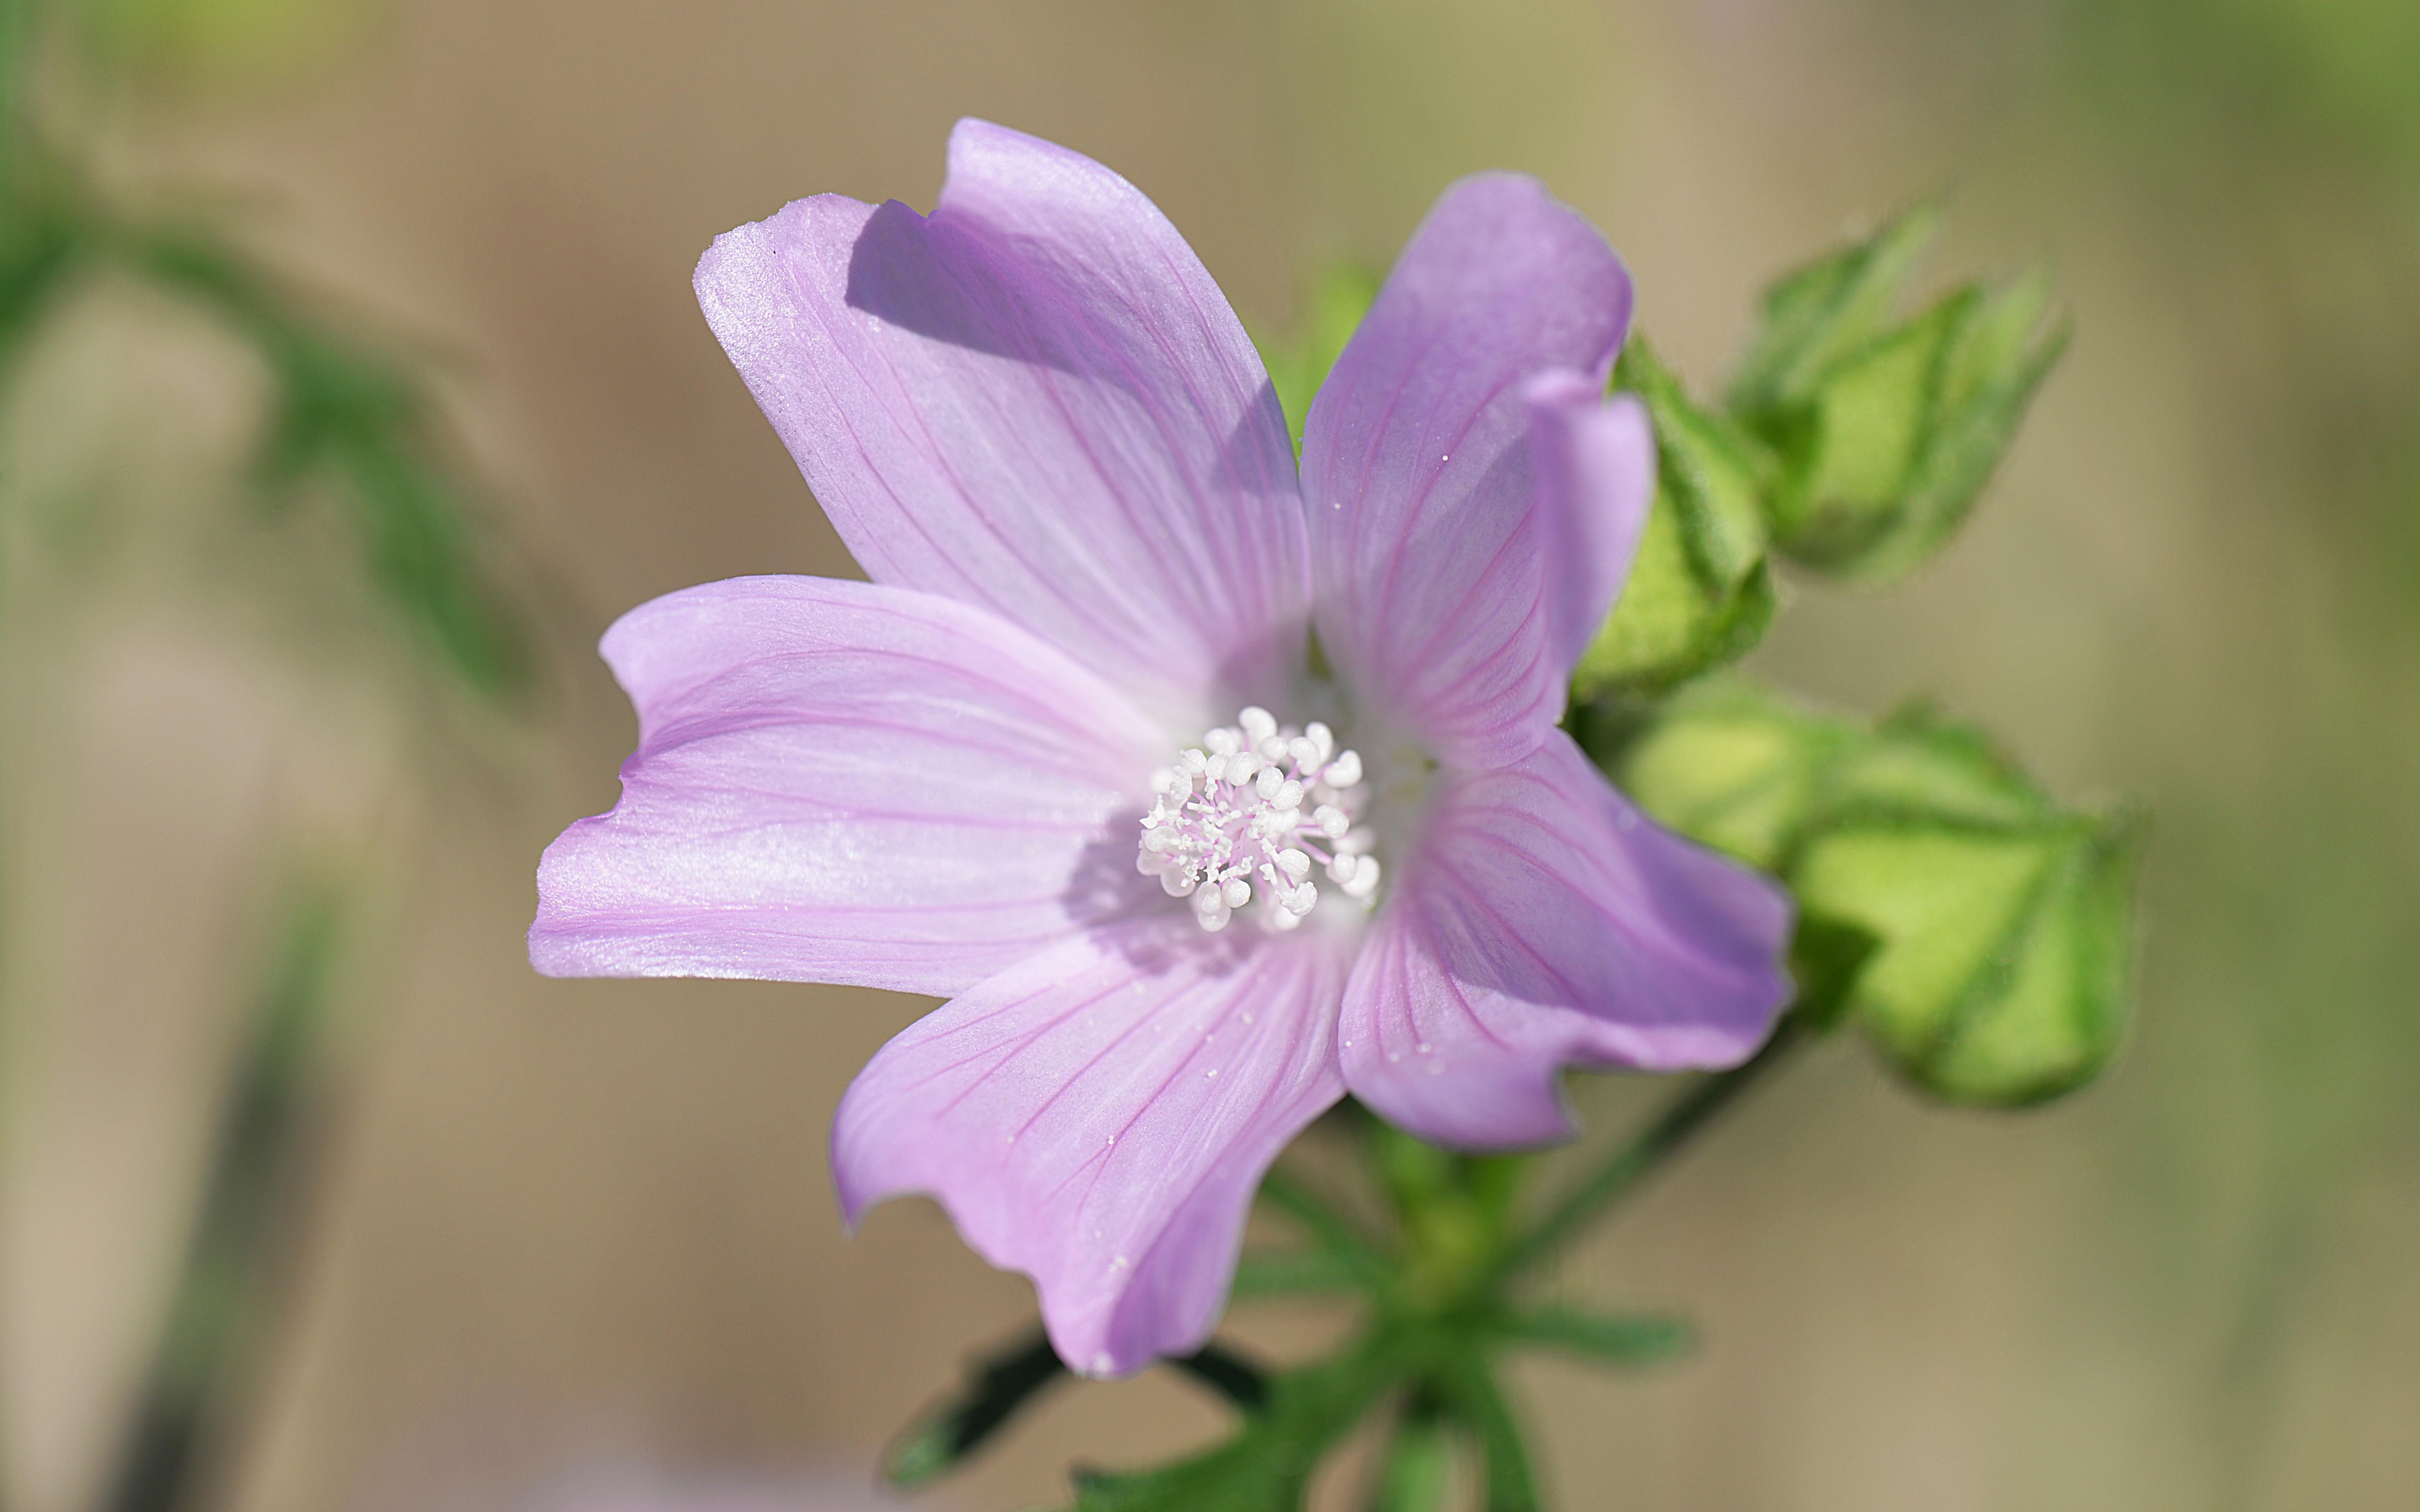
{"points": [[1699, 593], [1734, 767], [1988, 929], [2001, 975], [1887, 433]]}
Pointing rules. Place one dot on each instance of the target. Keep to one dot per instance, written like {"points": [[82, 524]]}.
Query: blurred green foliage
{"points": [[350, 430], [354, 424], [350, 426], [1332, 308], [1416, 1473], [196, 46], [225, 1283]]}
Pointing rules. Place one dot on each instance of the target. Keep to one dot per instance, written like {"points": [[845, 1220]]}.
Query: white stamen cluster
{"points": [[1248, 813]]}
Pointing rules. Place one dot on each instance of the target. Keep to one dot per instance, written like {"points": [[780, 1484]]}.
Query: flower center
{"points": [[1250, 813]]}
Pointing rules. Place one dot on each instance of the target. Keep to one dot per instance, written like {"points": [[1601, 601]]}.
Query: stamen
{"points": [[1228, 823]]}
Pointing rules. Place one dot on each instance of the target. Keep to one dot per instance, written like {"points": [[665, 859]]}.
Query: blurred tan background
{"points": [[560, 1225]]}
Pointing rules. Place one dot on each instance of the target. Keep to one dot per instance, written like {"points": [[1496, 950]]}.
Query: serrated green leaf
{"points": [[359, 425]]}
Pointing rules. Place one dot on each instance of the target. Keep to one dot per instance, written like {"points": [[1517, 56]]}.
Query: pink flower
{"points": [[1206, 791]]}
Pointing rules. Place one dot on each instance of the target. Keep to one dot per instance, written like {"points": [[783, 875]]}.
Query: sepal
{"points": [[1886, 431], [1699, 594]]}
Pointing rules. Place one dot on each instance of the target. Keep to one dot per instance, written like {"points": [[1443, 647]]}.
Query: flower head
{"points": [[1206, 788]]}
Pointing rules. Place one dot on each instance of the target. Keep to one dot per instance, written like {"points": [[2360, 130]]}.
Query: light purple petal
{"points": [[1595, 471], [1099, 1116], [1036, 401], [837, 781], [1417, 473], [1541, 922]]}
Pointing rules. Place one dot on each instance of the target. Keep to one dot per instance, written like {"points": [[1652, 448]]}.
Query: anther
{"points": [[1228, 827]]}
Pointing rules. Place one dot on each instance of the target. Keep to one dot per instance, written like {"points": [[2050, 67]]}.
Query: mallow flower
{"points": [[1205, 787]]}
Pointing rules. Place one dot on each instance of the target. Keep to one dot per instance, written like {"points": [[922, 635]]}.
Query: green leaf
{"points": [[251, 1211], [1303, 1273], [1244, 1384], [1332, 310], [1887, 433], [1474, 1399], [1699, 594], [1334, 1234], [1265, 1467], [996, 1386], [1631, 1339], [37, 258]]}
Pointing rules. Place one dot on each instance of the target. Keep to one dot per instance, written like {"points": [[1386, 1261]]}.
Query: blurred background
{"points": [[300, 574]]}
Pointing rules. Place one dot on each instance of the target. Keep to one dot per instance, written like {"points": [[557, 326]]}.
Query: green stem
{"points": [[1333, 1232], [1649, 1151], [219, 1307], [1512, 1486], [1416, 1471]]}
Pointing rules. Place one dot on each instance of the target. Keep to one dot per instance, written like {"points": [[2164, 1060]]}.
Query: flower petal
{"points": [[837, 781], [1034, 400], [1595, 471], [1541, 922], [1099, 1116], [1417, 475]]}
